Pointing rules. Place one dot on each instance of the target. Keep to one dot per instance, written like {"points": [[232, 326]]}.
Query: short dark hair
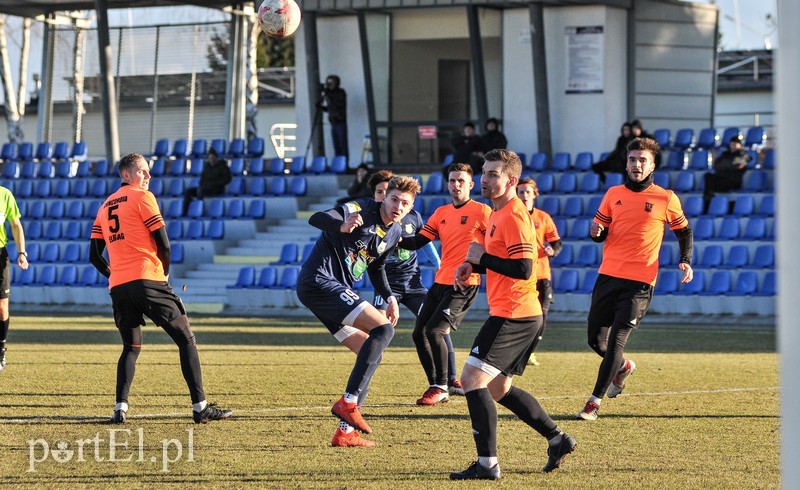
{"points": [[512, 165], [364, 166], [128, 161], [459, 167], [212, 151], [648, 144], [469, 124], [377, 178]]}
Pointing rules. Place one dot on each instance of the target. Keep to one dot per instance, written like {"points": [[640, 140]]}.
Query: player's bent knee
{"points": [[369, 318], [180, 331]]}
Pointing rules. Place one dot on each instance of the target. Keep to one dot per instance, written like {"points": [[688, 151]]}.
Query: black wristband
{"points": [[23, 253]]}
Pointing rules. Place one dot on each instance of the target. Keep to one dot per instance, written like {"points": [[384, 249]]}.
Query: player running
{"points": [[357, 238], [505, 340], [630, 220], [456, 225], [129, 223]]}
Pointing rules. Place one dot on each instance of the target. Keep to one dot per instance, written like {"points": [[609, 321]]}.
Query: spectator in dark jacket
{"points": [[216, 175], [359, 187], [616, 160], [467, 148], [493, 138], [334, 101], [728, 171]]}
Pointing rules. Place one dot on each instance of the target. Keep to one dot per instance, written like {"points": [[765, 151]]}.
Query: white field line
{"points": [[186, 413]]}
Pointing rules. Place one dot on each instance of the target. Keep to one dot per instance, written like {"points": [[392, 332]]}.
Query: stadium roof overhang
{"points": [[34, 8]]}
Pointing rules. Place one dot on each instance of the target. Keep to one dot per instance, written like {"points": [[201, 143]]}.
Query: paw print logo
{"points": [[62, 453]]}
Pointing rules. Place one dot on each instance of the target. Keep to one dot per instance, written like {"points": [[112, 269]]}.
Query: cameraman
{"points": [[334, 101]]}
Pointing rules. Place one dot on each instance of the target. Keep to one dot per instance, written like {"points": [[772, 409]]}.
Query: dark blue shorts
{"points": [[412, 300], [332, 302]]}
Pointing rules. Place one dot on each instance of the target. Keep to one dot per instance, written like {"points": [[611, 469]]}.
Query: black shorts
{"points": [[620, 301], [412, 300], [545, 289], [134, 300], [505, 344], [333, 303], [445, 302], [5, 274]]}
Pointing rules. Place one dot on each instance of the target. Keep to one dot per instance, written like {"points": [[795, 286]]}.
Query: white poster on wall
{"points": [[584, 59]]}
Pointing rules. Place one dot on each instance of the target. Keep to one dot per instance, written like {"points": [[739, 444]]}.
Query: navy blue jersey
{"points": [[345, 257], [402, 264]]}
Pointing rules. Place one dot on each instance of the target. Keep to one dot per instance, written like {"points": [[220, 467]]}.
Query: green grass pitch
{"points": [[700, 411]]}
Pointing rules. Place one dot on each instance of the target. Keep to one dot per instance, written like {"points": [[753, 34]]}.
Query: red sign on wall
{"points": [[427, 132]]}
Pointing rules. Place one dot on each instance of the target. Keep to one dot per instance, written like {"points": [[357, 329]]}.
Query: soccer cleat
{"points": [[477, 471], [589, 411], [211, 412], [349, 413], [119, 417], [618, 383], [558, 450], [432, 396], [532, 360], [455, 388], [3, 359], [353, 439]]}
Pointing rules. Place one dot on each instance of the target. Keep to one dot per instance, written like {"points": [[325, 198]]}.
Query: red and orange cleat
{"points": [[352, 439], [432, 396], [349, 413]]}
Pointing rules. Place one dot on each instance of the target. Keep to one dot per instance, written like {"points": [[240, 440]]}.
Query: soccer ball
{"points": [[279, 18]]}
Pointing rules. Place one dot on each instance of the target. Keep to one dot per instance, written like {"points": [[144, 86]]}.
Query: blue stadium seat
{"points": [[718, 207], [237, 167], [157, 186], [64, 169], [8, 152], [75, 210], [448, 160], [52, 231], [34, 249], [93, 209], [277, 186], [699, 160], [176, 187], [738, 256], [727, 135], [177, 168], [703, 228], [564, 258], [684, 182], [583, 161], [579, 229], [72, 231], [176, 255], [180, 149], [587, 285], [26, 277], [245, 279], [435, 203], [769, 159], [216, 208], [175, 229], [683, 139], [161, 149], [42, 189], [298, 186], [174, 209], [72, 253], [662, 136], [729, 229], [289, 278], [592, 206], [288, 254], [538, 162], [339, 165], [89, 276], [38, 210], [567, 281], [720, 283], [588, 255], [756, 181], [666, 255], [590, 183], [219, 145], [297, 165], [711, 258], [549, 205], [100, 168], [78, 152], [545, 182], [764, 257], [561, 162], [319, 165], [769, 286], [707, 139], [43, 151], [573, 207], [419, 206], [755, 137], [746, 284], [27, 170], [60, 188], [47, 276], [68, 276], [255, 147], [235, 209], [10, 170], [668, 282], [50, 253], [277, 166], [755, 229], [215, 230], [25, 152], [195, 210], [434, 184], [84, 169], [567, 183], [257, 186], [661, 179], [194, 230], [693, 206], [745, 205], [79, 188], [612, 180], [199, 148], [45, 170], [236, 148], [696, 286], [267, 278], [236, 187], [196, 167], [56, 210], [309, 247], [676, 160]]}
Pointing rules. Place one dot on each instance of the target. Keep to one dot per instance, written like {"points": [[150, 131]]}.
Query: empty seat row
{"points": [[721, 206], [196, 229], [267, 278], [72, 252], [52, 275], [199, 148], [216, 209], [713, 256], [708, 138], [730, 228], [45, 151], [49, 170]]}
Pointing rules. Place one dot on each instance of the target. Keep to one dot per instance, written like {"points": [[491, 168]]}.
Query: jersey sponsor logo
{"points": [[446, 311], [648, 207], [352, 207], [463, 220], [409, 229], [618, 203], [380, 232], [371, 230], [443, 222]]}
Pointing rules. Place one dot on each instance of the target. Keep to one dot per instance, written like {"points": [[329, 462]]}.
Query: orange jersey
{"points": [[457, 227], [635, 222], [510, 236], [125, 221], [546, 232]]}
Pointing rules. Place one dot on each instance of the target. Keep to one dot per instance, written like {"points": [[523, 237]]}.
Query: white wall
{"points": [[586, 122], [519, 101], [737, 109]]}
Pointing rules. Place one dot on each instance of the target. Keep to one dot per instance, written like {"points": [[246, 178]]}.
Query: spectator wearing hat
{"points": [[493, 138], [729, 168], [216, 175]]}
